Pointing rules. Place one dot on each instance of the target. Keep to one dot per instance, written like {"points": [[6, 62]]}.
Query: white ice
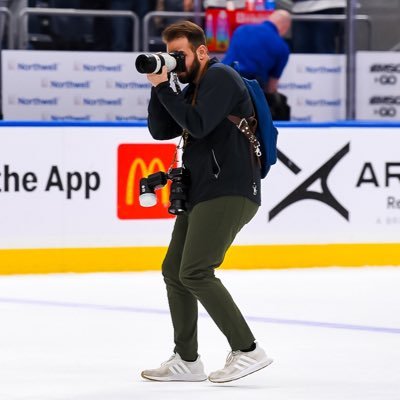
{"points": [[334, 334]]}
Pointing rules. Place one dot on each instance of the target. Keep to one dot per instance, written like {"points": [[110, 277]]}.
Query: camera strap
{"points": [[179, 146], [185, 133], [181, 143], [176, 83]]}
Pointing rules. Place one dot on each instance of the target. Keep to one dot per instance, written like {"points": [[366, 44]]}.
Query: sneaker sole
{"points": [[177, 378], [255, 368]]}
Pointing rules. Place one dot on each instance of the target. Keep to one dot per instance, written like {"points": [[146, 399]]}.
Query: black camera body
{"points": [[149, 63], [178, 195]]}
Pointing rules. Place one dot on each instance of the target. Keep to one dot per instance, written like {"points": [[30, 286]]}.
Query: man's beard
{"points": [[190, 75]]}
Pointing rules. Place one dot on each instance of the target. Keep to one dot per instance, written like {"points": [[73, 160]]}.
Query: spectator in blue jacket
{"points": [[260, 50]]}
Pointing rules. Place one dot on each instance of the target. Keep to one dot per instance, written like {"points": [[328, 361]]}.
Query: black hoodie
{"points": [[217, 154]]}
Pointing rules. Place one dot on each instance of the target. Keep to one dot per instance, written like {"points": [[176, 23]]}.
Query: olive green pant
{"points": [[198, 246]]}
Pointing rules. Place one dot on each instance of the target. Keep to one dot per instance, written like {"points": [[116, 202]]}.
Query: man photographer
{"points": [[223, 195]]}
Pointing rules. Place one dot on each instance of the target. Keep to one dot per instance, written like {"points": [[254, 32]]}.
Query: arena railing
{"points": [[10, 38], [340, 18], [196, 16], [296, 17], [25, 12], [349, 37]]}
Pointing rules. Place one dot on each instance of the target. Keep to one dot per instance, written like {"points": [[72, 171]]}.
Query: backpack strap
{"points": [[248, 127]]}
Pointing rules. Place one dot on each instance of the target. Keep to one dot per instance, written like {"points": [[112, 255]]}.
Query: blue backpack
{"points": [[265, 131]]}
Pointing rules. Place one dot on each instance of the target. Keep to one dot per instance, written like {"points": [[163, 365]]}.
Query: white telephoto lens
{"points": [[158, 64], [148, 199], [170, 62]]}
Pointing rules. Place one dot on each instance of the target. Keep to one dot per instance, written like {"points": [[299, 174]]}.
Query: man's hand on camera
{"points": [[156, 79]]}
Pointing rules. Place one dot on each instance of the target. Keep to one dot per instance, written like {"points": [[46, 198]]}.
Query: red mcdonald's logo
{"points": [[134, 162]]}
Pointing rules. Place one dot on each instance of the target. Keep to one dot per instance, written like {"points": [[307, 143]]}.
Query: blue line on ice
{"points": [[267, 320]]}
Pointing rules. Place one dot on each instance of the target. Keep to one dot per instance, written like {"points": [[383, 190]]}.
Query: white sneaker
{"points": [[176, 369], [239, 364]]}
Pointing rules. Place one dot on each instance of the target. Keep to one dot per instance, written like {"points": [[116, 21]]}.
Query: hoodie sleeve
{"points": [[161, 124], [218, 93]]}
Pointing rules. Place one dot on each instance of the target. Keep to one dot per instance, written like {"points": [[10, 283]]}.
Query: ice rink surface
{"points": [[333, 333]]}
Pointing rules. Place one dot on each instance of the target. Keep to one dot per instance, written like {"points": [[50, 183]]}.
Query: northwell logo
{"points": [[120, 117], [110, 84], [85, 101], [323, 102], [78, 66], [136, 161], [35, 101], [295, 86], [53, 117], [64, 84], [13, 65], [303, 192], [310, 69]]}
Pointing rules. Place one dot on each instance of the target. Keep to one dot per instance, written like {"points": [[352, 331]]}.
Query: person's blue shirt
{"points": [[260, 51]]}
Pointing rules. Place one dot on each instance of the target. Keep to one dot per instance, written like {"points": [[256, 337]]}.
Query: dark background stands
{"points": [[121, 31], [318, 37]]}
